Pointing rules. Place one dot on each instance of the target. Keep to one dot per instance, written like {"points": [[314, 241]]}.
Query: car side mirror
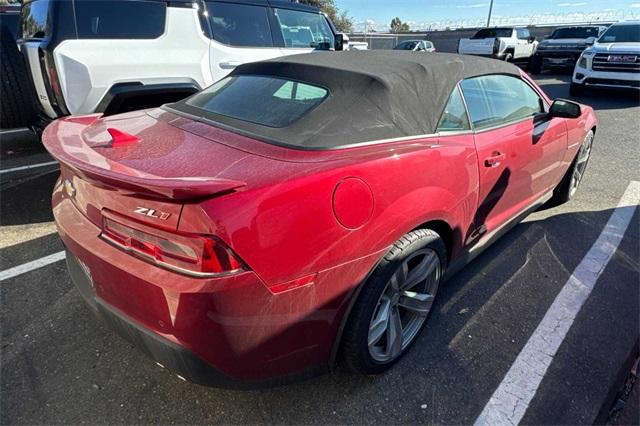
{"points": [[342, 41], [532, 39], [591, 40], [565, 109]]}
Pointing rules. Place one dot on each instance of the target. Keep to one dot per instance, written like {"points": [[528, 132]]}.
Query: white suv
{"points": [[112, 56], [613, 61]]}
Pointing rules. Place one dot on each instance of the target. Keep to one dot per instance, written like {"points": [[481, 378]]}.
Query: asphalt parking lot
{"points": [[60, 365]]}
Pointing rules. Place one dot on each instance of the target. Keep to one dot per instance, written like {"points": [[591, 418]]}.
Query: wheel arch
{"points": [[122, 94], [444, 230], [441, 227]]}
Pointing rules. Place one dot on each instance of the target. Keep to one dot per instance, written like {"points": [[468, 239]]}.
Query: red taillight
{"points": [[197, 255]]}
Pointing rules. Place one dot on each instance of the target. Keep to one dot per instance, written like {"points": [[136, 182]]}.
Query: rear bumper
{"points": [[168, 354], [224, 332]]}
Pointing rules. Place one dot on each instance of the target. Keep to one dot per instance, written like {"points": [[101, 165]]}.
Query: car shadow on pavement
{"points": [[26, 197], [481, 320]]}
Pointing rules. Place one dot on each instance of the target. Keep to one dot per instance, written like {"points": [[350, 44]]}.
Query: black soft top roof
{"points": [[374, 95]]}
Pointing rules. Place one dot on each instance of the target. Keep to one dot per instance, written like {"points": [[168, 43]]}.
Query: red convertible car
{"points": [[306, 209]]}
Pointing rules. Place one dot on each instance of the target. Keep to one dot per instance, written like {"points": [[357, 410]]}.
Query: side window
{"points": [[118, 19], [454, 117], [238, 24], [523, 33], [494, 100], [304, 29]]}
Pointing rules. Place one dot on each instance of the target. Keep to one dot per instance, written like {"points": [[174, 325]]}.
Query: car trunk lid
{"points": [[139, 166]]}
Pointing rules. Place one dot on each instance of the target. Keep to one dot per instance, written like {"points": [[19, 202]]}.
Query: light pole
{"points": [[489, 17]]}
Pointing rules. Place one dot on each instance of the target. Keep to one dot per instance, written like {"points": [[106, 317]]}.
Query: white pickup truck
{"points": [[509, 43]]}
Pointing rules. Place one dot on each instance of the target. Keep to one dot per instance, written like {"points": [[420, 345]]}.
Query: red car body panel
{"points": [[310, 225]]}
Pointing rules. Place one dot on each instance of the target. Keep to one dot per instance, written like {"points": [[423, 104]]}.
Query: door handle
{"points": [[228, 65], [495, 159]]}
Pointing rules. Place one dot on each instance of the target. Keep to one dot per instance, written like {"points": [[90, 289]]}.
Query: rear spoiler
{"points": [[179, 188], [73, 153]]}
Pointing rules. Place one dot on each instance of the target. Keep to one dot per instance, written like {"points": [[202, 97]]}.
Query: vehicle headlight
{"points": [[582, 63]]}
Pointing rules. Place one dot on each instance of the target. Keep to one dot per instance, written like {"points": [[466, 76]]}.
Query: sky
{"points": [[422, 14]]}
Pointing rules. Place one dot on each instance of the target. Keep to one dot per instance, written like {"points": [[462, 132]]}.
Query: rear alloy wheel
{"points": [[394, 305], [571, 181]]}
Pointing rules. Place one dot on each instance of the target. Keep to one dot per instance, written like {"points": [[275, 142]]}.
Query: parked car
{"points": [[113, 56], [510, 44], [612, 62], [249, 233], [563, 47], [416, 46]]}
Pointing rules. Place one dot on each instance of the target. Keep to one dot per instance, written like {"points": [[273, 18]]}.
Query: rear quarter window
{"points": [[120, 19], [274, 102]]}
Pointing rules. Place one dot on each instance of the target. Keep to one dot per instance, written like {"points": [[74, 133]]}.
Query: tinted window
{"points": [[240, 24], [117, 19], [454, 117], [575, 32], [406, 45], [304, 29], [522, 33], [493, 32], [498, 99], [273, 102], [621, 34], [35, 21]]}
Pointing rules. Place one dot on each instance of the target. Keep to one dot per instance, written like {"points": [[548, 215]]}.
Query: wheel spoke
{"points": [[417, 303], [577, 176], [421, 271], [394, 334], [380, 323]]}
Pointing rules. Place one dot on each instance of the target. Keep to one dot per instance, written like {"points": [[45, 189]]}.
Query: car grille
{"points": [[606, 62]]}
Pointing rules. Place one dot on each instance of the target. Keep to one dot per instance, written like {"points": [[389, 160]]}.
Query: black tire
{"points": [[355, 346], [17, 105], [569, 184], [576, 89]]}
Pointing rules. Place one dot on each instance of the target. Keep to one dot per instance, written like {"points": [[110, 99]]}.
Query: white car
{"points": [[612, 62], [510, 44], [112, 56], [416, 46]]}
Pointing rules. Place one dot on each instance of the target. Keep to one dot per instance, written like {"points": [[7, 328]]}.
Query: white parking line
{"points": [[31, 166], [510, 401], [10, 131], [30, 266]]}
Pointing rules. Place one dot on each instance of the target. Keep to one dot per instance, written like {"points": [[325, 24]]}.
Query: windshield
{"points": [[575, 32], [406, 45], [493, 32], [274, 102], [621, 34]]}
